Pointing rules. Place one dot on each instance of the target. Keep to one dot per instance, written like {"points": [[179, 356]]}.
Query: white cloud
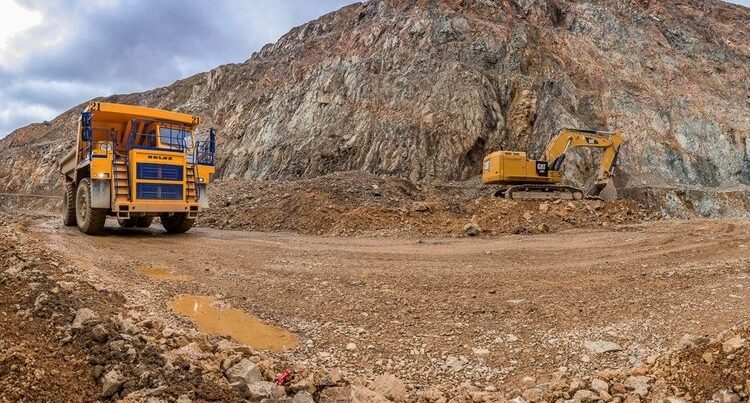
{"points": [[61, 53], [14, 20], [13, 111]]}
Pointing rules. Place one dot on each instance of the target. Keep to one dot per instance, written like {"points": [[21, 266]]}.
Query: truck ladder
{"points": [[192, 188], [121, 179]]}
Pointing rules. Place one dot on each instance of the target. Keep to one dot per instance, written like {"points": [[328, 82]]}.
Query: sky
{"points": [[57, 54]]}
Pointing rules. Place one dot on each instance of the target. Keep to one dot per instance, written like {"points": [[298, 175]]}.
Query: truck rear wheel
{"points": [[90, 220], [176, 223], [69, 205]]}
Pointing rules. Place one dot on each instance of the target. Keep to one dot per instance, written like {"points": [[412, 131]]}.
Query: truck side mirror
{"points": [[86, 130]]}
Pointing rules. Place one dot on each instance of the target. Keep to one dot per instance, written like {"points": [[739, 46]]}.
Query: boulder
{"points": [[244, 371], [390, 387], [585, 396], [100, 333], [111, 383], [472, 229], [733, 344], [360, 394], [261, 390], [83, 316], [420, 207], [126, 325], [598, 385], [640, 385], [601, 346], [192, 351], [303, 397], [726, 396], [454, 364]]}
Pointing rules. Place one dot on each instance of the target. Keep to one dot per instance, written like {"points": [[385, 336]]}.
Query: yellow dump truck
{"points": [[136, 163]]}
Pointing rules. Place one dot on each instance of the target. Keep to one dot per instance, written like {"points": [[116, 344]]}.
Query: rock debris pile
{"points": [[363, 204]]}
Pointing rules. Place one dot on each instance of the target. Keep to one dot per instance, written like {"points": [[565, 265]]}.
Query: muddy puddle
{"points": [[242, 327], [160, 273]]}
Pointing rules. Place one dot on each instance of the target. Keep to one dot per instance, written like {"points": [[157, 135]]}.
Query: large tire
{"points": [[176, 223], [69, 205], [90, 220]]}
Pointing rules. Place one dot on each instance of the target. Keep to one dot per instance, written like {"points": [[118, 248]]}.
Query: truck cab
{"points": [[136, 163]]}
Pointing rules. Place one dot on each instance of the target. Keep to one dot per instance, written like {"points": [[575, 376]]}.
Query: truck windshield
{"points": [[175, 137]]}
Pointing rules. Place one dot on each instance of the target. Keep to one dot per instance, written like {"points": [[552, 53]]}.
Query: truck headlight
{"points": [[102, 175]]}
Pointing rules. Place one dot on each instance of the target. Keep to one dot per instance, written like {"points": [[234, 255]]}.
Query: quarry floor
{"points": [[501, 311]]}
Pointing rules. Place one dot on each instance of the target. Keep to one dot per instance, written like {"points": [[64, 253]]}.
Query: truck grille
{"points": [[157, 191], [159, 172]]}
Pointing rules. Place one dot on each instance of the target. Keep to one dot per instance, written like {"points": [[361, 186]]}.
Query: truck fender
{"points": [[202, 195], [100, 193]]}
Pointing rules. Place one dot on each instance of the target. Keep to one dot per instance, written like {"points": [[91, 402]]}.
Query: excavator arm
{"points": [[565, 139]]}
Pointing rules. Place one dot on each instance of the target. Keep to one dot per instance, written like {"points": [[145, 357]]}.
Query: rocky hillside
{"points": [[423, 89]]}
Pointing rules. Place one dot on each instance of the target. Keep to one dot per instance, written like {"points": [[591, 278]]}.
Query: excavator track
{"points": [[540, 192]]}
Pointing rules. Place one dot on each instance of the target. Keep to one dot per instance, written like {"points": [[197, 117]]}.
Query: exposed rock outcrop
{"points": [[423, 89]]}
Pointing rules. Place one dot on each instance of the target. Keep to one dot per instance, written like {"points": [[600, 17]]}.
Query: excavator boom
{"points": [[566, 139]]}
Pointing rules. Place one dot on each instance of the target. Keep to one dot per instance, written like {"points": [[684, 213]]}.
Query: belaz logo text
{"points": [[159, 157]]}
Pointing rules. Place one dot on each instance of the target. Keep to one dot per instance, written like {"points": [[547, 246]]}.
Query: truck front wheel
{"points": [[90, 220], [176, 223], [69, 205]]}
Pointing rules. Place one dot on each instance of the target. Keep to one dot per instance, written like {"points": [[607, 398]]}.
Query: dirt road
{"points": [[490, 310]]}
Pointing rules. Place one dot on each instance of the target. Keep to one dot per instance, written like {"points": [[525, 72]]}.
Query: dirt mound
{"points": [[698, 369], [703, 368], [354, 203], [66, 340]]}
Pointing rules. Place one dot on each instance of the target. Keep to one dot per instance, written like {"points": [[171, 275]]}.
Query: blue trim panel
{"points": [[157, 191], [159, 172]]}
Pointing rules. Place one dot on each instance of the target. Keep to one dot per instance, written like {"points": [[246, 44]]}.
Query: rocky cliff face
{"points": [[422, 89]]}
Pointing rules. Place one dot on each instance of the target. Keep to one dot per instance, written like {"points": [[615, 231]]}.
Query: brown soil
{"points": [[491, 311], [354, 203], [705, 364], [44, 358], [34, 366]]}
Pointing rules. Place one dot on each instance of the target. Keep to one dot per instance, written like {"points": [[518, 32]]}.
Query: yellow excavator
{"points": [[523, 178]]}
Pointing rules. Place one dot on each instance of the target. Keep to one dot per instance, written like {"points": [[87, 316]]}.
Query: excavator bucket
{"points": [[605, 190]]}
